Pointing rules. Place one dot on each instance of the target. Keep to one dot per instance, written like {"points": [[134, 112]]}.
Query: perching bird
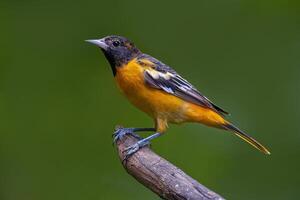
{"points": [[161, 92]]}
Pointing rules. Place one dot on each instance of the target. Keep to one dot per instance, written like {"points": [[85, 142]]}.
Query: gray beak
{"points": [[100, 43]]}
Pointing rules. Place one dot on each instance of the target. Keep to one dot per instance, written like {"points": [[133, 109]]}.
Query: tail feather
{"points": [[246, 138]]}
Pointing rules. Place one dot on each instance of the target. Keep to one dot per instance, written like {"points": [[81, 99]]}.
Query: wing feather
{"points": [[161, 76]]}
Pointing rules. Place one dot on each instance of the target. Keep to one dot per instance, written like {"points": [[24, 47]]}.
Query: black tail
{"points": [[246, 138]]}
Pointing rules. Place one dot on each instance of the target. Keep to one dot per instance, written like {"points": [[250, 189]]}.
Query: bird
{"points": [[159, 91]]}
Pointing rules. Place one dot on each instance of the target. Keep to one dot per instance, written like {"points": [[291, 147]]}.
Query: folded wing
{"points": [[161, 76]]}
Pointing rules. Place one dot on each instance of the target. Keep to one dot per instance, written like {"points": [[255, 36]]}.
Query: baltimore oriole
{"points": [[161, 92]]}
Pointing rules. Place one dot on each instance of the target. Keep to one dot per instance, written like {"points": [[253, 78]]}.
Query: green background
{"points": [[59, 103]]}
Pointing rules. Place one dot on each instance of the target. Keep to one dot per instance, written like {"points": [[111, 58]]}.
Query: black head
{"points": [[117, 49]]}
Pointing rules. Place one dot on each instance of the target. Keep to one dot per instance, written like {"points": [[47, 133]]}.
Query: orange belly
{"points": [[161, 106]]}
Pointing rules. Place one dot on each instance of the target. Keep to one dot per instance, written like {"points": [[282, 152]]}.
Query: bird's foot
{"points": [[121, 132], [134, 148]]}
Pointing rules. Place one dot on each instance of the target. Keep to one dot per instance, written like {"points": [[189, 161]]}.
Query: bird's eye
{"points": [[116, 43]]}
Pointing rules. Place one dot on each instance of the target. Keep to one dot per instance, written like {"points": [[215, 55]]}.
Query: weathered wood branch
{"points": [[160, 176]]}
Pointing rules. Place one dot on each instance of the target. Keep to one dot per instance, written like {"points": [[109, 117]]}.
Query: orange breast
{"points": [[157, 103]]}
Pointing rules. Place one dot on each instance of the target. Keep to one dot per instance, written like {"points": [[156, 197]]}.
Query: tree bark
{"points": [[160, 176]]}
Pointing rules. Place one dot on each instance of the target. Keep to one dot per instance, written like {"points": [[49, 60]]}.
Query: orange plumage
{"points": [[158, 104]]}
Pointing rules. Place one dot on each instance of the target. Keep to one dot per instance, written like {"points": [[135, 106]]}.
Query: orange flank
{"points": [[161, 106]]}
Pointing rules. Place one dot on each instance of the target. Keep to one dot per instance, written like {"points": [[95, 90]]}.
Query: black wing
{"points": [[163, 77]]}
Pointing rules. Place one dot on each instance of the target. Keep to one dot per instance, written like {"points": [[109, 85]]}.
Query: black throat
{"points": [[111, 62], [118, 59]]}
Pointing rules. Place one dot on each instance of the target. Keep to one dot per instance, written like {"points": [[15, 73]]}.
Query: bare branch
{"points": [[160, 176]]}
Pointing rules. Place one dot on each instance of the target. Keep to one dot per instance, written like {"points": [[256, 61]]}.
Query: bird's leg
{"points": [[141, 143], [121, 132]]}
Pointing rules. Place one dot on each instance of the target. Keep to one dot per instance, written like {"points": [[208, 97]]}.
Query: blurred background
{"points": [[59, 103]]}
